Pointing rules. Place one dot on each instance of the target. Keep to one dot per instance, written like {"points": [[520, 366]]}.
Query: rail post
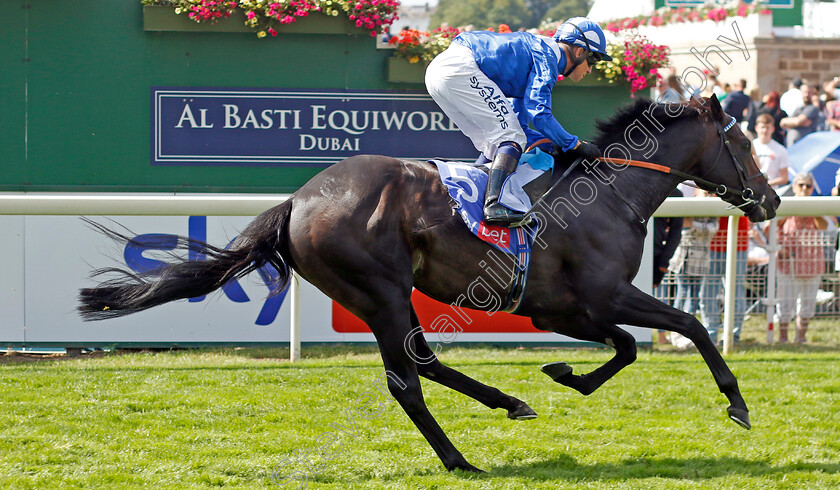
{"points": [[731, 279], [294, 304], [771, 300]]}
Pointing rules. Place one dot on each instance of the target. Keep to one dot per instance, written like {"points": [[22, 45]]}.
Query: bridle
{"points": [[746, 193]]}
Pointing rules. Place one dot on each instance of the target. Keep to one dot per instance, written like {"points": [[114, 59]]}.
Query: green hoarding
{"points": [[76, 105]]}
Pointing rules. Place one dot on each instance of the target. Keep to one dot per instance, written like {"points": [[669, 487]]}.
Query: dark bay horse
{"points": [[369, 229]]}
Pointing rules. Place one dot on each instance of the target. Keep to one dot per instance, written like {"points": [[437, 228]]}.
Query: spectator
{"points": [[821, 117], [801, 264], [709, 305], [690, 263], [757, 247], [772, 157], [666, 237], [835, 191], [792, 99], [737, 102], [712, 85], [832, 115], [726, 90], [770, 106], [804, 119], [672, 91], [832, 89], [748, 123]]}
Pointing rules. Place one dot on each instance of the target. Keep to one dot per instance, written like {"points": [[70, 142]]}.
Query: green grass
{"points": [[193, 419]]}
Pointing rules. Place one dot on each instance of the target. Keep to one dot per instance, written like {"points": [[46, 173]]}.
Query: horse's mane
{"points": [[632, 112]]}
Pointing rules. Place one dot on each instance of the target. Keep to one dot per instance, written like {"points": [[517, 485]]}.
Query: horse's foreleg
{"points": [[431, 368], [623, 343], [637, 308]]}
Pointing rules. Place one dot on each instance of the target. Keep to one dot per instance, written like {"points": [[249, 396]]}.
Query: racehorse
{"points": [[367, 230]]}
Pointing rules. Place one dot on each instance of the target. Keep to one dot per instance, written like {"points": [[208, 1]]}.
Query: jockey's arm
{"points": [[537, 102], [538, 106], [532, 136]]}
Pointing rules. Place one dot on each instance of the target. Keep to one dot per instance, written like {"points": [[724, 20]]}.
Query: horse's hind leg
{"points": [[391, 327], [608, 334], [431, 368], [640, 309]]}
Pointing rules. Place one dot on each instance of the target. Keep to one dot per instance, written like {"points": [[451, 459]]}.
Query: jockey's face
{"points": [[582, 69]]}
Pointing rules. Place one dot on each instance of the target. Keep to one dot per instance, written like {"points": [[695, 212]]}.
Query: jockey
{"points": [[493, 85]]}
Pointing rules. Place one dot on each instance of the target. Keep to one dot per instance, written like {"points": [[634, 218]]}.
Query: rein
{"points": [[721, 190]]}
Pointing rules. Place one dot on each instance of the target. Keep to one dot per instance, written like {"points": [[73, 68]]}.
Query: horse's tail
{"points": [[262, 242]]}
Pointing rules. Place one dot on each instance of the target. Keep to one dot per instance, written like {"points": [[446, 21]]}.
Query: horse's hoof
{"points": [[465, 467], [740, 416], [522, 412], [556, 370]]}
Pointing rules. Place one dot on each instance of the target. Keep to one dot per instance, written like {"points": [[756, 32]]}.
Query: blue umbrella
{"points": [[819, 154]]}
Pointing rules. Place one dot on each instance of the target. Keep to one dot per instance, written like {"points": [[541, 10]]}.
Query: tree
{"points": [[482, 13], [566, 9], [538, 8]]}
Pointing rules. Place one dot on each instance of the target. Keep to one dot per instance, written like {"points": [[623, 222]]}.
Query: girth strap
{"points": [[519, 279]]}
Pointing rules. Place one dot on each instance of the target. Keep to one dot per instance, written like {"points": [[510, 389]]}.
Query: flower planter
{"points": [[401, 71], [594, 79], [164, 18]]}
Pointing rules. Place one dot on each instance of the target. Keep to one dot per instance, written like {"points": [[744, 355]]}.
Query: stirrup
{"points": [[498, 215]]}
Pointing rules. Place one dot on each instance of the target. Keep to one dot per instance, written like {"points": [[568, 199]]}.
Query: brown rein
{"points": [[630, 163]]}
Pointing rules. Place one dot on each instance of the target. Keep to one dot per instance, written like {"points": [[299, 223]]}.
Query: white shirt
{"points": [[772, 158], [791, 100]]}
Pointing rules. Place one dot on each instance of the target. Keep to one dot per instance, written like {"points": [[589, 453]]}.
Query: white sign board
{"points": [[47, 259]]}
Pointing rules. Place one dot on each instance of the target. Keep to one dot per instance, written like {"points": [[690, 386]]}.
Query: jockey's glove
{"points": [[587, 150]]}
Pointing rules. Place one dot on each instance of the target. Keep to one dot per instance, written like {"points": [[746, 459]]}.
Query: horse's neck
{"points": [[644, 189]]}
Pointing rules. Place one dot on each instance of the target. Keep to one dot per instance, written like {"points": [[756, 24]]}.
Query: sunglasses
{"points": [[806, 186], [593, 58]]}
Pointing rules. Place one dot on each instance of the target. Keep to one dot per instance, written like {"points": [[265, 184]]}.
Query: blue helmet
{"points": [[580, 31]]}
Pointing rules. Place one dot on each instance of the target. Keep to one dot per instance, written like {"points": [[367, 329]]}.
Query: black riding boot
{"points": [[507, 157]]}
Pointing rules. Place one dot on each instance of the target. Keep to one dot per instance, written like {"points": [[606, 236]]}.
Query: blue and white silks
{"points": [[466, 185]]}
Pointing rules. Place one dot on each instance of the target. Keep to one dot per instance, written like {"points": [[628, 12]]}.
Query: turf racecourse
{"points": [[247, 418]]}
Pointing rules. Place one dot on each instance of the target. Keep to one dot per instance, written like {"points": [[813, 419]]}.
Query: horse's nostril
{"points": [[777, 201]]}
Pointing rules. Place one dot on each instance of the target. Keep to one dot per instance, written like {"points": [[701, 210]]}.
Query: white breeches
{"points": [[472, 101]]}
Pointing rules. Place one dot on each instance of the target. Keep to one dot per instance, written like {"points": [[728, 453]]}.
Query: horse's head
{"points": [[727, 167]]}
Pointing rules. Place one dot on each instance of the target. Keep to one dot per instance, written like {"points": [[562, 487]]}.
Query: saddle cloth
{"points": [[467, 183]]}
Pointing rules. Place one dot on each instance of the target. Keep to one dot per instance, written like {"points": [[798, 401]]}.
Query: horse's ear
{"points": [[714, 106]]}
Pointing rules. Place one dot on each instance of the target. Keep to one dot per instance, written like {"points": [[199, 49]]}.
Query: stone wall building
{"points": [[753, 48]]}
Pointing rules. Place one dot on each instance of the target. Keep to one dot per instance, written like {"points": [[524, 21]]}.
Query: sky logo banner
{"points": [[136, 260], [251, 127]]}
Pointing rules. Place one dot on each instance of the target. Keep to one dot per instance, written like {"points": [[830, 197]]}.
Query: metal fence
{"points": [[805, 270]]}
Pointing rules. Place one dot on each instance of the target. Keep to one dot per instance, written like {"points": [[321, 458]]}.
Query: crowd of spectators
{"points": [[804, 108], [774, 123]]}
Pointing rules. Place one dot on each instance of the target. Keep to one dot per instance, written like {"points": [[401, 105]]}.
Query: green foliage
{"points": [[229, 417], [515, 13], [565, 9], [482, 13]]}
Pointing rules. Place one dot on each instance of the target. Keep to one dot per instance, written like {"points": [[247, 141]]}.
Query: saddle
{"points": [[466, 185]]}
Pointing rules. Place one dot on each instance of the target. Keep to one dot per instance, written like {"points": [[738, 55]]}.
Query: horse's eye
{"points": [[745, 145]]}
